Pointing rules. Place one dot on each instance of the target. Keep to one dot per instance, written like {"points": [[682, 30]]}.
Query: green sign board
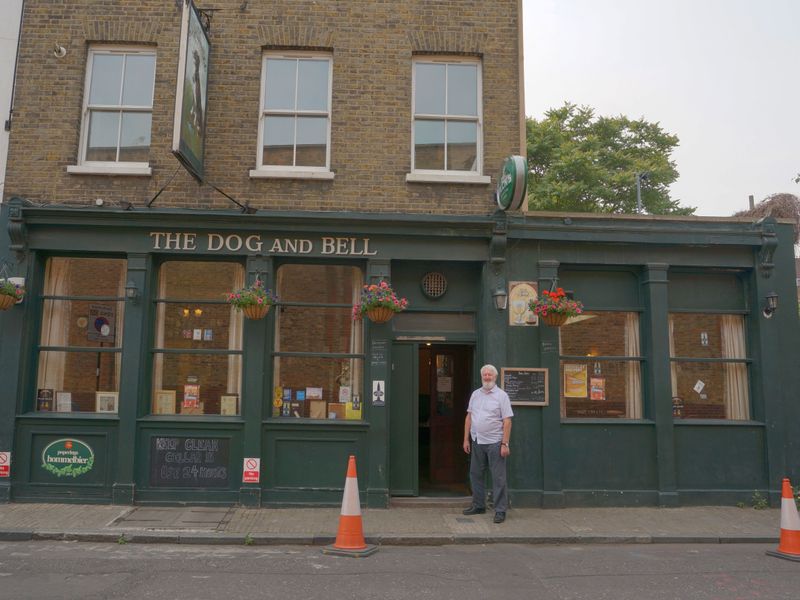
{"points": [[67, 458], [512, 183]]}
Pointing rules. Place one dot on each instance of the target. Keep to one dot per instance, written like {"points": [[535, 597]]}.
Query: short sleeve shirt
{"points": [[487, 411]]}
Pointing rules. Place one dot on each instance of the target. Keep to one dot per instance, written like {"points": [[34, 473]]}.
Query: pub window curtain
{"points": [[633, 377], [673, 368], [356, 345], [55, 324], [737, 397], [161, 314], [235, 340]]}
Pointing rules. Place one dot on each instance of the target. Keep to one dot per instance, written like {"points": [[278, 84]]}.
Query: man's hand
{"points": [[467, 446], [504, 451]]}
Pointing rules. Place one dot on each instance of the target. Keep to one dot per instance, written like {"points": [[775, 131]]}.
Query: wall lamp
{"points": [[500, 297], [770, 304], [131, 291]]}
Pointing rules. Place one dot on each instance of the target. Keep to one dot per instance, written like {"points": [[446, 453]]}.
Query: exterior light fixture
{"points": [[500, 298], [198, 312], [131, 291], [770, 305]]}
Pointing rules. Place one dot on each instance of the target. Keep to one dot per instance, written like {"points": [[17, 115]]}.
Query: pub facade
{"points": [[341, 148]]}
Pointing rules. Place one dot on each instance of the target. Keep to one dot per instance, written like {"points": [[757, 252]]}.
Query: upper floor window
{"points": [[446, 131], [117, 110], [294, 128]]}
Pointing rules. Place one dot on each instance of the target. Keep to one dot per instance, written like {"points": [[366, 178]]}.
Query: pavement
{"points": [[398, 525]]}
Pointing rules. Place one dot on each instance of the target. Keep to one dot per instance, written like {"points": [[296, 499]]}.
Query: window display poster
{"points": [[63, 401], [344, 393], [575, 381], [165, 402], [314, 393], [228, 405], [378, 393], [101, 323], [191, 395], [597, 388], [44, 400]]}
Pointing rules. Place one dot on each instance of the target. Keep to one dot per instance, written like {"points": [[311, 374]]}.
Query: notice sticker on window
{"points": [[5, 464], [698, 387]]}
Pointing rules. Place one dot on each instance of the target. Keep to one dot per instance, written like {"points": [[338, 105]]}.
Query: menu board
{"points": [[189, 461], [525, 386]]}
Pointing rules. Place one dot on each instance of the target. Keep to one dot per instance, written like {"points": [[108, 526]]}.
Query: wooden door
{"points": [[449, 384]]}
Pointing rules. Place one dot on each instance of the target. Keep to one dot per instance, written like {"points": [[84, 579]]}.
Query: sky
{"points": [[722, 75]]}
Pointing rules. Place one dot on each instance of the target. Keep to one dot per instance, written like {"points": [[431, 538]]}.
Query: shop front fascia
{"points": [[674, 388]]}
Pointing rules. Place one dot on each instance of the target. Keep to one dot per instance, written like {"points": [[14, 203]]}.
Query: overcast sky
{"points": [[722, 75]]}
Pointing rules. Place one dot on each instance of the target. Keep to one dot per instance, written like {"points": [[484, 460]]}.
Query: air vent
{"points": [[434, 285]]}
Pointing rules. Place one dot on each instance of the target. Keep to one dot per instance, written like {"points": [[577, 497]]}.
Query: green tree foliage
{"points": [[583, 163]]}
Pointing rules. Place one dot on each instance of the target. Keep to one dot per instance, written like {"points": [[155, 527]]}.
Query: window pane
{"points": [[317, 329], [318, 388], [600, 389], [199, 280], [103, 132], [324, 284], [70, 381], [82, 323], [429, 89], [203, 384], [462, 90], [707, 335], [106, 79], [312, 85], [724, 393], [462, 146], [600, 334], [312, 141], [134, 145], [280, 84], [199, 326], [85, 277], [278, 141], [429, 145], [137, 89]]}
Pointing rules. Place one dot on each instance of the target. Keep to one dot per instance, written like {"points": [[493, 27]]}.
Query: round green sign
{"points": [[512, 183], [67, 458]]}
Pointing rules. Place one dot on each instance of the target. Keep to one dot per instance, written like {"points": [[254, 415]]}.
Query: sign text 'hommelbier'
{"points": [[217, 242]]}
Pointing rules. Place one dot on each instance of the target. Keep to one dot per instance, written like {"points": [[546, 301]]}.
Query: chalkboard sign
{"points": [[525, 386], [189, 461]]}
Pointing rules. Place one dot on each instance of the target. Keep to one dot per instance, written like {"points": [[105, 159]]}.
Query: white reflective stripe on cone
{"points": [[351, 507], [790, 519]]}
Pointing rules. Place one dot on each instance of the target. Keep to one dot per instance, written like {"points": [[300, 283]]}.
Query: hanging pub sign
{"points": [[189, 128], [512, 185]]}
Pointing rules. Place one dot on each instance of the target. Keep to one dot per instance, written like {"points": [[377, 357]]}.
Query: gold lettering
{"points": [[215, 242], [157, 241], [173, 241], [341, 245], [276, 247], [366, 248], [233, 243], [305, 246], [328, 245], [253, 243], [188, 241]]}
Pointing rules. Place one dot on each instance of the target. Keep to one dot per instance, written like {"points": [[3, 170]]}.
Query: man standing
{"points": [[487, 431]]}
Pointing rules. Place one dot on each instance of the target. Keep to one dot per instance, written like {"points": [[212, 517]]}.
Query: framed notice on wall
{"points": [[106, 402]]}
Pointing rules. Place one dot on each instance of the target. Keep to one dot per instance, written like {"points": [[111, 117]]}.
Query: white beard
{"points": [[488, 386]]}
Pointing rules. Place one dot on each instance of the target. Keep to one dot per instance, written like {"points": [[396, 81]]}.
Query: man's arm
{"points": [[467, 427], [504, 449]]}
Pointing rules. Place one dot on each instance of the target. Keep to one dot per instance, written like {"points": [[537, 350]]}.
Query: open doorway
{"points": [[444, 387]]}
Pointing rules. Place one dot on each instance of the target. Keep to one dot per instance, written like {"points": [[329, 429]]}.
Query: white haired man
{"points": [[487, 432]]}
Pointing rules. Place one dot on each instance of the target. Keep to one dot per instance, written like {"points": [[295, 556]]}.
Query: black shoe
{"points": [[499, 517], [473, 510]]}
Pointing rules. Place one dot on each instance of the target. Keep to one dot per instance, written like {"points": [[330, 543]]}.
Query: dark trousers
{"points": [[481, 456]]}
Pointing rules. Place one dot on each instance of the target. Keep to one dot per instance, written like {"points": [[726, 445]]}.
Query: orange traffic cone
{"points": [[350, 537], [789, 546]]}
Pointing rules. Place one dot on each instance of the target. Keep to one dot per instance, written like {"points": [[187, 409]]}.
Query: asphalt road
{"points": [[72, 570]]}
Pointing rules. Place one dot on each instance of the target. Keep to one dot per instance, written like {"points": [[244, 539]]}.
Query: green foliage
{"points": [[758, 501], [121, 540], [248, 540], [582, 163]]}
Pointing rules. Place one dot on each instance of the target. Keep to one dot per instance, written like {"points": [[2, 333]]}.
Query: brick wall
{"points": [[372, 44]]}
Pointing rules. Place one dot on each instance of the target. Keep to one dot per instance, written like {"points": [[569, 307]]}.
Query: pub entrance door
{"points": [[445, 374]]}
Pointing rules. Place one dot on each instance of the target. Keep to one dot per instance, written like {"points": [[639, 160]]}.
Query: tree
{"points": [[582, 163]]}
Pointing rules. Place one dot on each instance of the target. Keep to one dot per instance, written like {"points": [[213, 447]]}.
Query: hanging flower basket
{"points": [[555, 308], [254, 301], [554, 319], [380, 314], [379, 302], [10, 294], [6, 302], [255, 311]]}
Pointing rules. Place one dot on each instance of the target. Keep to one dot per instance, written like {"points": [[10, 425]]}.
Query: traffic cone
{"points": [[350, 537], [789, 546]]}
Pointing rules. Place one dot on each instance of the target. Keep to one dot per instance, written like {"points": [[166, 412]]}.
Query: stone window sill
{"points": [[290, 174], [109, 170], [447, 178]]}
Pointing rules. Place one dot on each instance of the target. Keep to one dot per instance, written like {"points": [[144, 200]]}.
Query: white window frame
{"points": [[285, 171], [444, 175], [108, 167]]}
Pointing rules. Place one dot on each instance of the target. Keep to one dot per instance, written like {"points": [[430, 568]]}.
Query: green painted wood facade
{"points": [[648, 265]]}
